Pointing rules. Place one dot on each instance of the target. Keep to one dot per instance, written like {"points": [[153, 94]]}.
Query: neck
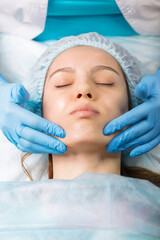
{"points": [[73, 163]]}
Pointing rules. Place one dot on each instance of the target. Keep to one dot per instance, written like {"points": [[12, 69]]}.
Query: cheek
{"points": [[117, 102], [116, 105], [123, 102], [53, 107]]}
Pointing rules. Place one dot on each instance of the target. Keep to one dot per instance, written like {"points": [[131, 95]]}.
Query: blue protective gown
{"points": [[65, 18]]}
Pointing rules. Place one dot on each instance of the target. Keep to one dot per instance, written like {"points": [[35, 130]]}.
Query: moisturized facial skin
{"points": [[85, 80]]}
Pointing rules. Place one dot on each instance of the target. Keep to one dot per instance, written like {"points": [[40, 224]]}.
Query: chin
{"points": [[92, 142], [87, 134]]}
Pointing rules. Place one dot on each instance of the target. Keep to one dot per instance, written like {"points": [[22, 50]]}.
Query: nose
{"points": [[88, 95], [85, 91]]}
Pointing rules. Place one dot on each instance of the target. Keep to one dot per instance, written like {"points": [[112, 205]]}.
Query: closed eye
{"points": [[62, 86], [110, 84]]}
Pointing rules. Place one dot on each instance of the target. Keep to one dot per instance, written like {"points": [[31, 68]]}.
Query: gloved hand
{"points": [[24, 128], [145, 120]]}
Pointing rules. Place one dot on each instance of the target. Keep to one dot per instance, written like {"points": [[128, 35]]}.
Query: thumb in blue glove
{"points": [[19, 95], [141, 91], [143, 120]]}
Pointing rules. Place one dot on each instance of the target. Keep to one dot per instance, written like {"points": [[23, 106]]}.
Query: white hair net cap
{"points": [[35, 78]]}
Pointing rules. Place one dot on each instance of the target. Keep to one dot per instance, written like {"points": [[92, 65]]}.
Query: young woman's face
{"points": [[84, 75]]}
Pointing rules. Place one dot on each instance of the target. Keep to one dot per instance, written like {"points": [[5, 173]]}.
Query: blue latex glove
{"points": [[24, 128], [144, 119]]}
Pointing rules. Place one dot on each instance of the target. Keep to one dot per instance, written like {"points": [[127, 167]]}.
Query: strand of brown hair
{"points": [[133, 172], [23, 167]]}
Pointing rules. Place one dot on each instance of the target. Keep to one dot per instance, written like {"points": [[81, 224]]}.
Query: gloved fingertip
{"points": [[27, 95], [141, 91], [19, 94], [107, 131], [23, 96]]}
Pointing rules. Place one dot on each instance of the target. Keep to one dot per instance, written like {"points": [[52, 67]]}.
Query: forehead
{"points": [[83, 55]]}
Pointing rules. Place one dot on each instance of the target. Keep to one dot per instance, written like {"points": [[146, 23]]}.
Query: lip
{"points": [[85, 111]]}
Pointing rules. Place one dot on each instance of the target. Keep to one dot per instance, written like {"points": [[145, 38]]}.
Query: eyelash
{"points": [[62, 86], [107, 84]]}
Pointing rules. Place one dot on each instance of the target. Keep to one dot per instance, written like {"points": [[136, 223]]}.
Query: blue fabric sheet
{"points": [[92, 206], [65, 18]]}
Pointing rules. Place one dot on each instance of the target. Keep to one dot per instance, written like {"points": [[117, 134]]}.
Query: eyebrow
{"points": [[94, 69]]}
